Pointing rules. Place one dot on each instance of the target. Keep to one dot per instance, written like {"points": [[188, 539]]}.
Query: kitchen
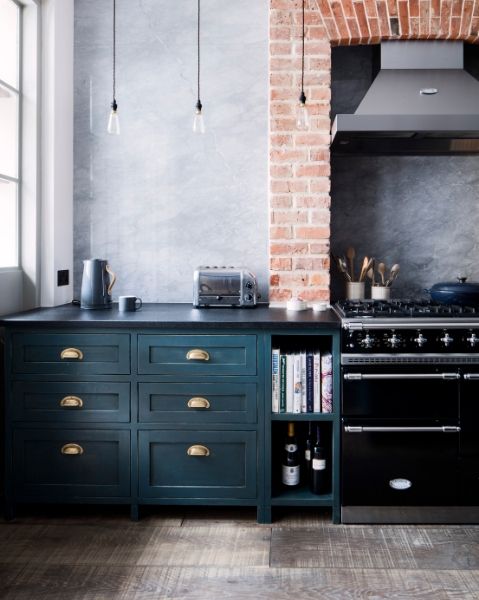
{"points": [[204, 200]]}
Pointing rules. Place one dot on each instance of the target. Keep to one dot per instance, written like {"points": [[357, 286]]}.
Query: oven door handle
{"points": [[379, 429], [362, 376], [471, 376]]}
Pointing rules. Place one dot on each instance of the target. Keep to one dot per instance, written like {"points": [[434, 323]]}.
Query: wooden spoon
{"points": [[351, 254], [382, 271], [364, 269], [392, 275]]}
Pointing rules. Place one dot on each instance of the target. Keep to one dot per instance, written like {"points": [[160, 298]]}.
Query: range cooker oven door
{"points": [[400, 440], [469, 437]]}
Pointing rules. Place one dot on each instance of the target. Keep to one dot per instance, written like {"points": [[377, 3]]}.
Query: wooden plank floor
{"points": [[88, 553]]}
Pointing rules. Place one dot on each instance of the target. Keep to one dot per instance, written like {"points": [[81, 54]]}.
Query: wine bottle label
{"points": [[290, 447], [290, 475], [307, 454], [319, 464]]}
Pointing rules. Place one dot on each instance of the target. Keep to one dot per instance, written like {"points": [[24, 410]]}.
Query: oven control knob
{"points": [[367, 341], [394, 341], [472, 340], [420, 340], [447, 339], [249, 285]]}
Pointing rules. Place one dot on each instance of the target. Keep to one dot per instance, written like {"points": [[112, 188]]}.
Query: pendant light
{"points": [[113, 121], [302, 117], [198, 120]]}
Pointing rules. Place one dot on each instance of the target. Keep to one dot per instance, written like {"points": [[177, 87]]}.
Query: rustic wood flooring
{"points": [[88, 553]]}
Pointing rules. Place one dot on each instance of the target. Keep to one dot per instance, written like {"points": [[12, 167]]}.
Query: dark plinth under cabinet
{"points": [[167, 405]]}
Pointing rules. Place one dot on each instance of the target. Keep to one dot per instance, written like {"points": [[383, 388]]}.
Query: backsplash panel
{"points": [[158, 201]]}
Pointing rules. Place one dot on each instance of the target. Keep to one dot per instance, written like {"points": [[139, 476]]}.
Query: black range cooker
{"points": [[410, 412]]}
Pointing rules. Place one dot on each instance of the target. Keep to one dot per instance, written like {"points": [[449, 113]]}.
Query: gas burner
{"points": [[398, 309]]}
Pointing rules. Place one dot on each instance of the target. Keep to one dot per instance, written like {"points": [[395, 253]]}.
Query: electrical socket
{"points": [[63, 277]]}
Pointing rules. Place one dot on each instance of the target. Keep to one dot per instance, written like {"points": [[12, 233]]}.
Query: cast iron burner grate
{"points": [[402, 309]]}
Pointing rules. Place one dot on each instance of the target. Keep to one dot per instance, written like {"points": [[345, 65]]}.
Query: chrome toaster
{"points": [[224, 286]]}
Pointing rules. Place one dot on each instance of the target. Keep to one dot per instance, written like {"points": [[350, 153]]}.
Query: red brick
{"points": [[384, 27], [292, 279], [280, 201], [280, 48], [348, 8], [374, 28], [279, 217], [310, 170], [281, 79], [457, 6], [403, 17], [280, 17], [362, 19], [311, 139], [288, 155], [344, 33], [435, 8], [280, 171], [319, 64], [320, 279], [414, 8], [331, 28], [288, 249], [298, 186], [285, 4], [282, 108], [312, 202], [435, 27], [455, 28], [312, 233], [280, 233], [282, 94], [283, 124], [280, 264], [311, 264], [321, 185], [316, 48], [424, 18], [280, 295], [285, 64], [321, 33], [475, 26], [354, 29], [313, 294], [279, 186], [392, 6], [325, 8], [466, 18], [370, 6], [281, 140], [320, 217], [280, 33], [319, 155], [322, 248]]}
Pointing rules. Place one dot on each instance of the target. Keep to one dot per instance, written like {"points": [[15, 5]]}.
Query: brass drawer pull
{"points": [[71, 402], [71, 353], [198, 450], [198, 402], [72, 449], [197, 354]]}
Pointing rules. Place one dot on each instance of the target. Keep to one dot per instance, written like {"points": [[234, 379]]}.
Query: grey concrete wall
{"points": [[158, 201], [421, 212]]}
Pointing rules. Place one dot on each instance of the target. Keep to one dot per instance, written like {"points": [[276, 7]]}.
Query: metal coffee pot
{"points": [[97, 283]]}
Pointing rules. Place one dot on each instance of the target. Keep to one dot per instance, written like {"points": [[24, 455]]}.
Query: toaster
{"points": [[224, 286]]}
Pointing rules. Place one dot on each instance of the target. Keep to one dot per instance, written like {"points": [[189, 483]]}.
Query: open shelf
{"points": [[300, 496], [303, 416]]}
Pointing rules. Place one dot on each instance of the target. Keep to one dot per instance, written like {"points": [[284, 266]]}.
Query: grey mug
{"points": [[129, 303]]}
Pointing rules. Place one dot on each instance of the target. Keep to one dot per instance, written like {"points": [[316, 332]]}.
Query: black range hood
{"points": [[421, 102]]}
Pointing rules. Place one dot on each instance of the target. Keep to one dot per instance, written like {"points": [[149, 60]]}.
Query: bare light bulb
{"points": [[114, 121], [302, 116], [198, 120]]}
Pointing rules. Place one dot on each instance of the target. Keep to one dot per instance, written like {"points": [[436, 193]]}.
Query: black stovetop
{"points": [[397, 309]]}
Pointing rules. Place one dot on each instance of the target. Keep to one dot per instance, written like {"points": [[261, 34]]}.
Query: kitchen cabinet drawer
{"points": [[223, 402], [71, 463], [71, 401], [197, 354], [170, 469], [71, 353]]}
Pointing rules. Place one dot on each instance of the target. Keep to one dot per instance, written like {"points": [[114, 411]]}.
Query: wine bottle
{"points": [[308, 451], [290, 471], [318, 476]]}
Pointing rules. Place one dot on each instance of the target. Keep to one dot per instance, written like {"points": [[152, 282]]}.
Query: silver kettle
{"points": [[97, 282]]}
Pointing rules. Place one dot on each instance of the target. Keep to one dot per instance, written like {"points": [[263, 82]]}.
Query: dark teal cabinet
{"points": [[151, 415], [197, 464]]}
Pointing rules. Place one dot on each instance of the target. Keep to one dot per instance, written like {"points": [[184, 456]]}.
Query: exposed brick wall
{"points": [[299, 161]]}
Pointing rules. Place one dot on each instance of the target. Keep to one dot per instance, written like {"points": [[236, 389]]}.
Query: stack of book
{"points": [[302, 382]]}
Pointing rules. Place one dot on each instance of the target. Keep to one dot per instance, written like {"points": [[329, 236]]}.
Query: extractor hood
{"points": [[421, 102]]}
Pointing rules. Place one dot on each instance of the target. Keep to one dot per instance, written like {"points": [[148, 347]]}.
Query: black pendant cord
{"points": [[302, 97], [198, 103], [114, 105]]}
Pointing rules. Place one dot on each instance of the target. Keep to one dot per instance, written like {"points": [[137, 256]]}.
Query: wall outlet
{"points": [[63, 277]]}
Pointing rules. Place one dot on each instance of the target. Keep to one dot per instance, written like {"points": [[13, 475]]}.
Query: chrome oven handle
{"points": [[379, 429], [362, 376], [471, 376]]}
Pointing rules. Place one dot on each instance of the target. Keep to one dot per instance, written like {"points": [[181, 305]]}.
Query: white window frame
{"points": [[19, 285]]}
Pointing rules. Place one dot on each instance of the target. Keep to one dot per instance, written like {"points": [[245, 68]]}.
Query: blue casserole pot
{"points": [[460, 292]]}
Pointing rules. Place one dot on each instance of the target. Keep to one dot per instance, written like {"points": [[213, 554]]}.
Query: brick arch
{"points": [[299, 166], [370, 21]]}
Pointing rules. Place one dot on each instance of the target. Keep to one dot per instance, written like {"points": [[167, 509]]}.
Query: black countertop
{"points": [[175, 316]]}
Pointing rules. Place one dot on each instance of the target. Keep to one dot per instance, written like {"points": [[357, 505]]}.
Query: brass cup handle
{"points": [[198, 402], [110, 272], [198, 450], [74, 353], [71, 402], [72, 449], [197, 354]]}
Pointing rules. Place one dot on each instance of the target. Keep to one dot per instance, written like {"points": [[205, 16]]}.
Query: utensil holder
{"points": [[380, 292], [355, 290]]}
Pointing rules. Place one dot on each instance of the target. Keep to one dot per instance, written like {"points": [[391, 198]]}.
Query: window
{"points": [[10, 128]]}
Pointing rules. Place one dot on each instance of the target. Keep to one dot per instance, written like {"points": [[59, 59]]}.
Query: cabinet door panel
{"points": [[167, 471], [71, 353], [71, 401], [197, 354], [71, 463], [198, 402]]}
